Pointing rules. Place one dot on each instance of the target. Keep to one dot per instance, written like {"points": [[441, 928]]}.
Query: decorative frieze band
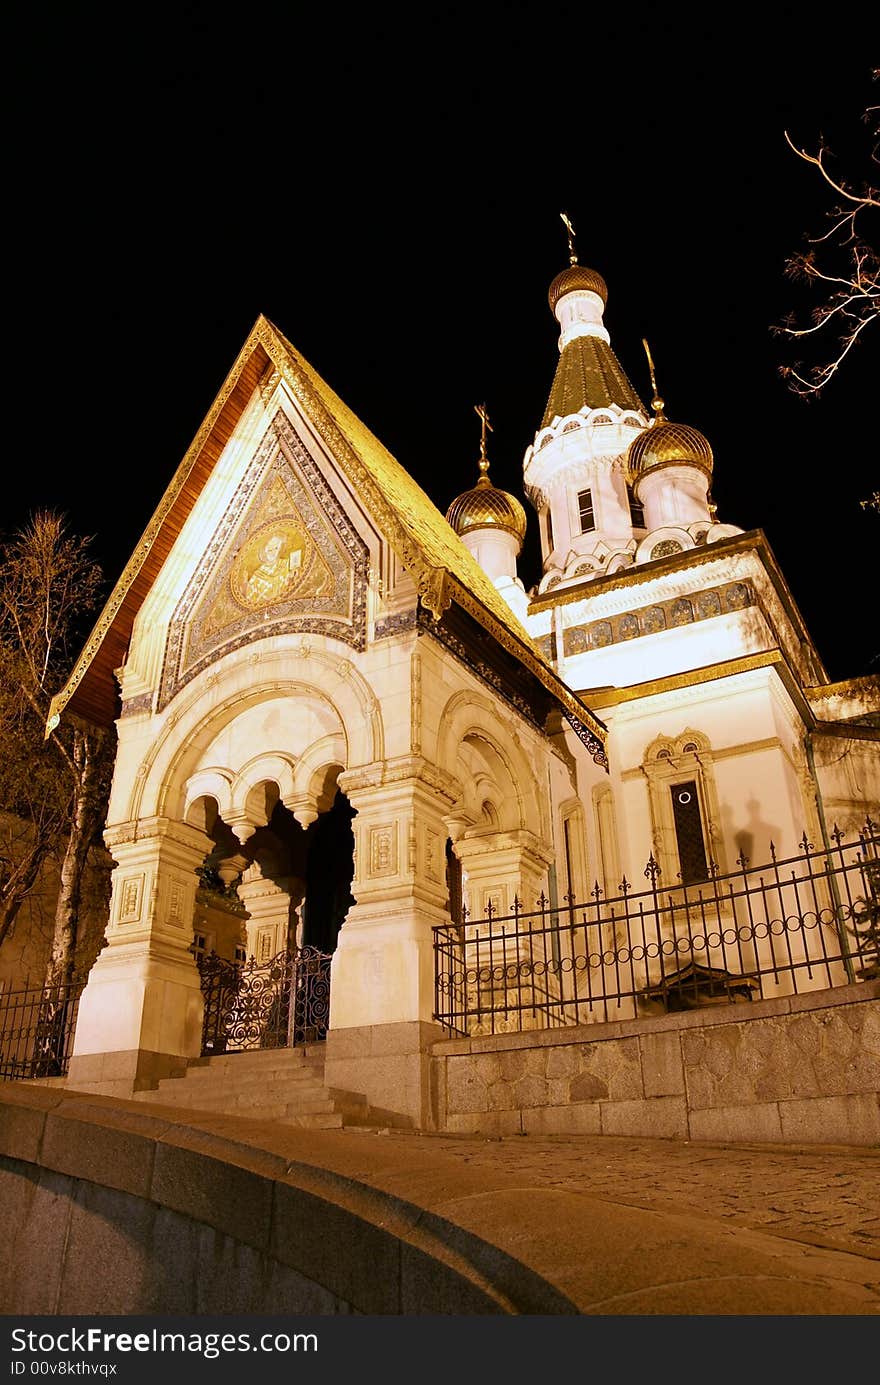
{"points": [[665, 615]]}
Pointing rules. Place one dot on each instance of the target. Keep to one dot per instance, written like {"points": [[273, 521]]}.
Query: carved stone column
{"points": [[140, 1016]]}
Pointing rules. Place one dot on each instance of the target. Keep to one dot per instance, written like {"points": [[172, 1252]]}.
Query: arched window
{"points": [[685, 813]]}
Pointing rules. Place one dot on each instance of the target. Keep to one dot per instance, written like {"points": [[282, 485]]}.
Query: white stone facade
{"points": [[295, 644]]}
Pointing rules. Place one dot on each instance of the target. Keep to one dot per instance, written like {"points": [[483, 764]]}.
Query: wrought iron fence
{"points": [[36, 1030], [281, 1003], [804, 923]]}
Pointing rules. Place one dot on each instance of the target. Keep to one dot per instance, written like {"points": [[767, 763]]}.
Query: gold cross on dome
{"points": [[569, 230], [480, 411], [657, 404]]}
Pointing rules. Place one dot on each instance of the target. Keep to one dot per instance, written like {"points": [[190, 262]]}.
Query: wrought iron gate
{"points": [[281, 1003]]}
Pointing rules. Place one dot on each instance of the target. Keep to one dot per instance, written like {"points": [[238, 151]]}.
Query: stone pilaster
{"points": [[382, 980], [140, 1016], [383, 965]]}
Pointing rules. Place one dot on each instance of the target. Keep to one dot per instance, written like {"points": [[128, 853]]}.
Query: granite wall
{"points": [[802, 1069]]}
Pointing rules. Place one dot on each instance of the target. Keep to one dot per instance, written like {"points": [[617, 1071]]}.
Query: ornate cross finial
{"points": [[569, 230], [657, 404], [480, 411]]}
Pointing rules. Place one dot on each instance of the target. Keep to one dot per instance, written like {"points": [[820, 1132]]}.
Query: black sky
{"points": [[387, 191]]}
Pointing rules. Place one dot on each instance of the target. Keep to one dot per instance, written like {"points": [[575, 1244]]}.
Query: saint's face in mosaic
{"points": [[270, 565]]}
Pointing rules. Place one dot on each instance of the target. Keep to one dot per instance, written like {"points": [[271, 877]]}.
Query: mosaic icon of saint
{"points": [[269, 581]]}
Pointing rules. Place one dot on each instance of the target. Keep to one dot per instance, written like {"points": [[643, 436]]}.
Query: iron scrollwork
{"points": [[281, 1003]]}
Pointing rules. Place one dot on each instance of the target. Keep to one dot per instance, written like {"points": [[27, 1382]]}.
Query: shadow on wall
{"points": [[752, 838]]}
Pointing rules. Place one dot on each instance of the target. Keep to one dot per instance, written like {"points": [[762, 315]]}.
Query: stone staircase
{"points": [[284, 1085]]}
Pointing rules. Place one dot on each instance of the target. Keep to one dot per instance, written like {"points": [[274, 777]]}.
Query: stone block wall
{"points": [[802, 1069]]}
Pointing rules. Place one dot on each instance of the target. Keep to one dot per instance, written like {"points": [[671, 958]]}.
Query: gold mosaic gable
{"points": [[284, 558]]}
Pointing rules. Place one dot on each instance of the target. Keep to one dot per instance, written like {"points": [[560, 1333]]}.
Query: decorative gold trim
{"points": [[536, 666], [640, 573], [846, 687], [773, 658], [613, 697]]}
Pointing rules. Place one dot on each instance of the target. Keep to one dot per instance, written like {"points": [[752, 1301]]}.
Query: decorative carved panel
{"points": [[130, 899], [383, 851], [284, 558]]}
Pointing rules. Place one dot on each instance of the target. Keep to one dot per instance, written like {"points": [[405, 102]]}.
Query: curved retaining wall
{"points": [[105, 1209]]}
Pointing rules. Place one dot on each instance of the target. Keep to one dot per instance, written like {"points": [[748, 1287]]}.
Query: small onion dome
{"points": [[485, 507], [577, 276], [668, 444]]}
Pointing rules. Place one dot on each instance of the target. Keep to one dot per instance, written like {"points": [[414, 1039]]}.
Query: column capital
{"points": [[405, 771], [149, 836]]}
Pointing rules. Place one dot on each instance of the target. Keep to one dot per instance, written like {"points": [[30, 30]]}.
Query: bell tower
{"points": [[575, 470]]}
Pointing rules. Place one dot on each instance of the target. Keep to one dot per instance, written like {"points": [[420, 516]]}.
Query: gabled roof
{"points": [[588, 374], [431, 551]]}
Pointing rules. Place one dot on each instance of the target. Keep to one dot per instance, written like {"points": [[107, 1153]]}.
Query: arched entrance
{"points": [[295, 884]]}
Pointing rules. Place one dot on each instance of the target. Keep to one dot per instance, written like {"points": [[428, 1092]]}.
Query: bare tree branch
{"points": [[50, 790], [847, 275]]}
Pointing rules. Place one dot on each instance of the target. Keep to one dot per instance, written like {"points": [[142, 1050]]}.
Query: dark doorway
{"points": [[329, 873]]}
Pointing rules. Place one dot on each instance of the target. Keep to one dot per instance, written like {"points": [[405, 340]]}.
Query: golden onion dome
{"points": [[577, 276], [668, 444], [486, 507]]}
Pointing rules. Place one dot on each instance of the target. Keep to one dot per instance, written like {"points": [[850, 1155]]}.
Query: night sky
{"points": [[389, 196]]}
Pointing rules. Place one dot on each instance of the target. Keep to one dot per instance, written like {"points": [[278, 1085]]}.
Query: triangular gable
{"points": [[285, 558], [428, 547]]}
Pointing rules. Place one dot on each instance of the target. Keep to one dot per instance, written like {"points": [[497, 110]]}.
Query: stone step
{"points": [[258, 1059], [250, 1082], [281, 1085], [312, 1098], [312, 1122]]}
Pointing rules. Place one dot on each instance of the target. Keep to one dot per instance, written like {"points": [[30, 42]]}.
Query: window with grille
{"points": [[549, 531], [692, 855], [636, 510], [585, 511]]}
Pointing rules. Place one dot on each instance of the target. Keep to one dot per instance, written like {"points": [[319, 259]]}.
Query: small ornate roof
{"points": [[664, 443], [588, 373], [576, 276], [668, 444], [486, 507]]}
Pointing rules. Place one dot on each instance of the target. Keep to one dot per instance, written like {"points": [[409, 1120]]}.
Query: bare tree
{"points": [[841, 265], [53, 791]]}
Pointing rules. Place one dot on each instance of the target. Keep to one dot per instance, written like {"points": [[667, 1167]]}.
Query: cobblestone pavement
{"points": [[824, 1196]]}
